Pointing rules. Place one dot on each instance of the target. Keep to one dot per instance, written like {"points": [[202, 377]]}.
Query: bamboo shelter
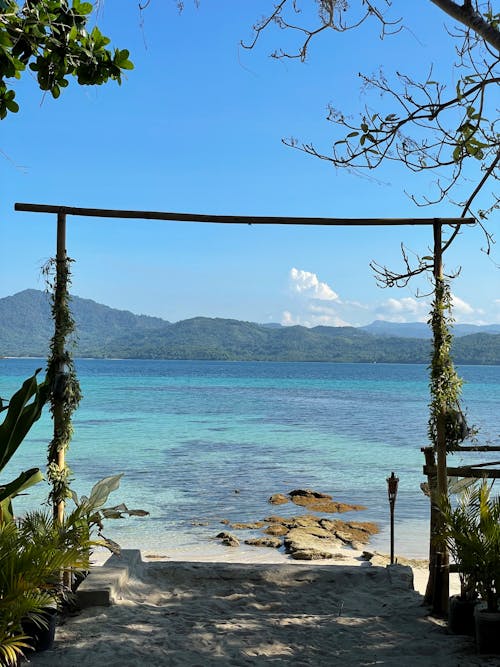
{"points": [[436, 457]]}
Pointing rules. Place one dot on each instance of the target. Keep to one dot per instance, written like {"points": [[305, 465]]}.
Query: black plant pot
{"points": [[487, 624], [461, 615], [41, 638]]}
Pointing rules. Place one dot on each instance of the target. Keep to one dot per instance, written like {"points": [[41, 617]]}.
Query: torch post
{"points": [[392, 491]]}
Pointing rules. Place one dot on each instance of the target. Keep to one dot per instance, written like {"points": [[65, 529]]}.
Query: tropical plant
{"points": [[90, 513], [472, 534], [20, 416], [31, 563]]}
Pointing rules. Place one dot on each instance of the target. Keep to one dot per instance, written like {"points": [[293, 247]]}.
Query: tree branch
{"points": [[466, 15]]}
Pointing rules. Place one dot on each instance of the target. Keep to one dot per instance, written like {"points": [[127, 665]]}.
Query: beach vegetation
{"points": [[91, 513], [33, 554], [472, 534], [21, 412]]}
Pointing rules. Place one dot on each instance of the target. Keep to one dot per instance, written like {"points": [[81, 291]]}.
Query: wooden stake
{"points": [[61, 289], [430, 467], [442, 582]]}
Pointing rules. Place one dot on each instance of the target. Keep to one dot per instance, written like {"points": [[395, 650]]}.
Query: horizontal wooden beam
{"points": [[466, 471], [237, 219], [477, 448]]}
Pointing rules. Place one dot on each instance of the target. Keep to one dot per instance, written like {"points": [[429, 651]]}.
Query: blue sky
{"points": [[197, 127]]}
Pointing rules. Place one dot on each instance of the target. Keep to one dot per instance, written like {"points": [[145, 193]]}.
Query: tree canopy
{"points": [[52, 39]]}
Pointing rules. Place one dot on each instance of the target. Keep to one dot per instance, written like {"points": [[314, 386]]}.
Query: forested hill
{"points": [[26, 327]]}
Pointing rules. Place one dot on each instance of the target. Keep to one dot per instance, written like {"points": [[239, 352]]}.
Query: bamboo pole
{"points": [[442, 580], [430, 471], [60, 296], [235, 219]]}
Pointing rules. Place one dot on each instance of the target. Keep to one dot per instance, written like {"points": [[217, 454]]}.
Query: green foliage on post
{"points": [[51, 38], [445, 384], [64, 385]]}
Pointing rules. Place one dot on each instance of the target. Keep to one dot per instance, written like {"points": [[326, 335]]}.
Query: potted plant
{"points": [[30, 584], [457, 526], [472, 533]]}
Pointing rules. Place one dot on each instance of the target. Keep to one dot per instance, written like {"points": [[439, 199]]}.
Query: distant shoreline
{"points": [[108, 333], [256, 361]]}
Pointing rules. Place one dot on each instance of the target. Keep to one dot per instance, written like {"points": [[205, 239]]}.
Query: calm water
{"points": [[188, 435]]}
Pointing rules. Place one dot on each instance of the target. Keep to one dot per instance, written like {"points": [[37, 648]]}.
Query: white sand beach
{"points": [[187, 614]]}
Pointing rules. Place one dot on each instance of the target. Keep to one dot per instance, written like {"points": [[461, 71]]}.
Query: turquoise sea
{"points": [[204, 441]]}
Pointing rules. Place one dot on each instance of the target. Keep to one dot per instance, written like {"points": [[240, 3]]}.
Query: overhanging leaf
{"points": [[20, 416]]}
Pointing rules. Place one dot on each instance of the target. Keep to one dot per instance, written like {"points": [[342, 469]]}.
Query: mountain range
{"points": [[104, 332]]}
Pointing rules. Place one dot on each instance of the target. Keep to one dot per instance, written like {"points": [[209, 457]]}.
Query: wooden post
{"points": [[430, 466], [60, 296], [442, 583]]}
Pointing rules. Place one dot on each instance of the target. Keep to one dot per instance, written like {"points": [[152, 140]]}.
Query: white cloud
{"points": [[308, 284], [461, 307], [314, 303], [325, 318], [410, 309], [287, 319], [406, 309]]}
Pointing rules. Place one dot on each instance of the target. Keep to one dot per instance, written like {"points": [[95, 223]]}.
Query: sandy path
{"points": [[204, 614]]}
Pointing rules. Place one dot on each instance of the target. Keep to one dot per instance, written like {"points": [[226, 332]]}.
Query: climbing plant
{"points": [[445, 384], [65, 392]]}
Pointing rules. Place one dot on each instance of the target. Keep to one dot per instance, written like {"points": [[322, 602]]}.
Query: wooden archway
{"points": [[438, 588]]}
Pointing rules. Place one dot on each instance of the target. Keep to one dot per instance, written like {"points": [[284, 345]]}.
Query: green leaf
{"points": [[82, 8], [12, 106], [14, 488], [5, 39], [101, 490], [121, 59], [21, 415], [21, 483], [352, 134]]}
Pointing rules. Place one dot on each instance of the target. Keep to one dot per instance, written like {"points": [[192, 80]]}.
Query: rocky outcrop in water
{"points": [[278, 499], [321, 502], [228, 540], [307, 536], [272, 542]]}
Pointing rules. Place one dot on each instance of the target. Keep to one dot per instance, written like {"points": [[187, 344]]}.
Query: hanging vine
{"points": [[445, 384], [65, 393]]}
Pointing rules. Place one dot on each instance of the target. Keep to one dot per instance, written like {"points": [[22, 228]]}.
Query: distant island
{"points": [[104, 332]]}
